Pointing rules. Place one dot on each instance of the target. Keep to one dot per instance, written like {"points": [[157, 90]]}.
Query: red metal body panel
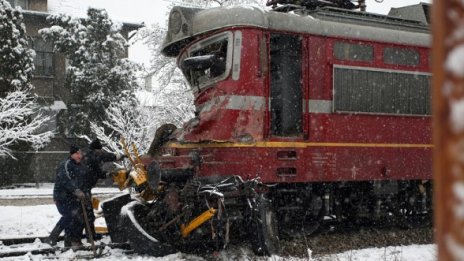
{"points": [[370, 128], [318, 163], [318, 68]]}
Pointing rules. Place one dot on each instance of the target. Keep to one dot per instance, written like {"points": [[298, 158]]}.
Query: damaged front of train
{"points": [[172, 209], [170, 213], [184, 197]]}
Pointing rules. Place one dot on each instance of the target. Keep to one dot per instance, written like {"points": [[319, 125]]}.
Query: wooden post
{"points": [[88, 231], [448, 111]]}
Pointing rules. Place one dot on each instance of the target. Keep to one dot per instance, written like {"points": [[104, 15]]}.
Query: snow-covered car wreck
{"points": [[309, 112]]}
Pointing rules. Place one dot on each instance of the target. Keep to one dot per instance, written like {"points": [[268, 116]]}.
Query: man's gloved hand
{"points": [[79, 194]]}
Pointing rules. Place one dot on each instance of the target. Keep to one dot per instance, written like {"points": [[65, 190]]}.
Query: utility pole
{"points": [[448, 127]]}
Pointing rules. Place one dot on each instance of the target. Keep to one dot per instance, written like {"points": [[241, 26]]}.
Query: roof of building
{"points": [[79, 9]]}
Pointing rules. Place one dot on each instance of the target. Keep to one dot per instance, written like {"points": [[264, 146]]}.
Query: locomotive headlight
{"points": [[175, 21]]}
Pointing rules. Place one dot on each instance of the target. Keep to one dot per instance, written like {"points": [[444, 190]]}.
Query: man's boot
{"points": [[54, 235], [67, 241], [76, 244]]}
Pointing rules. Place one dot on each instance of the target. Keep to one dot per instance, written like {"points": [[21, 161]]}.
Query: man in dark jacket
{"points": [[67, 196], [93, 159]]}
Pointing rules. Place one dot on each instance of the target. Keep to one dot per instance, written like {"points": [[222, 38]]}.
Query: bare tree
{"points": [[19, 122], [136, 124]]}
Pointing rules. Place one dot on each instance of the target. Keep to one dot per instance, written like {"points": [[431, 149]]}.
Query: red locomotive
{"points": [[305, 113]]}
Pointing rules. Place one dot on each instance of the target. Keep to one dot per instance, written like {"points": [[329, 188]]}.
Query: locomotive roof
{"points": [[186, 24]]}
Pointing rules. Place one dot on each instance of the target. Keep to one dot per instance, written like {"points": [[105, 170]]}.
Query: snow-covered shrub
{"points": [[17, 60], [98, 76]]}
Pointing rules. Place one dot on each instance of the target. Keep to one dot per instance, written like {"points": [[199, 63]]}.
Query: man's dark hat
{"points": [[73, 149], [95, 145]]}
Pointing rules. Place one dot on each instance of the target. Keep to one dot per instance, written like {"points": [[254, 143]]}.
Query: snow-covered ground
{"points": [[31, 221], [44, 190]]}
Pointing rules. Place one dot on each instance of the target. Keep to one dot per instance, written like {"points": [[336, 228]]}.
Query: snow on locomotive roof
{"points": [[185, 24]]}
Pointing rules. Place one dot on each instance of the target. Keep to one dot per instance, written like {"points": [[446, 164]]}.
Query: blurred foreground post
{"points": [[448, 112]]}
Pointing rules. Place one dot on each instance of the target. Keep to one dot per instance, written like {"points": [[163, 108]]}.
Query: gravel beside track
{"points": [[340, 241]]}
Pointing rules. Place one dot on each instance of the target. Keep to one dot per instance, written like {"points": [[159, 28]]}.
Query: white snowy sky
{"points": [[151, 11]]}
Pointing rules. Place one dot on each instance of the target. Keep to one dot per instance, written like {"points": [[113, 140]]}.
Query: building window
{"points": [[401, 56], [353, 52], [44, 58], [22, 3]]}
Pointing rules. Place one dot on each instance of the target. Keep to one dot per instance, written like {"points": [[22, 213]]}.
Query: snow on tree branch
{"points": [[133, 123], [18, 122]]}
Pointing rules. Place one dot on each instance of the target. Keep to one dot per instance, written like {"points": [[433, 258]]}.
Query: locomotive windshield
{"points": [[208, 61]]}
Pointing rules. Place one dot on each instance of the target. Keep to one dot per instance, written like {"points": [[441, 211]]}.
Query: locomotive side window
{"points": [[353, 52], [401, 56], [381, 91], [286, 85], [208, 61]]}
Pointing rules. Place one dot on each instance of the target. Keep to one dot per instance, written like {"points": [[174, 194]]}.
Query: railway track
{"points": [[328, 240], [15, 247]]}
